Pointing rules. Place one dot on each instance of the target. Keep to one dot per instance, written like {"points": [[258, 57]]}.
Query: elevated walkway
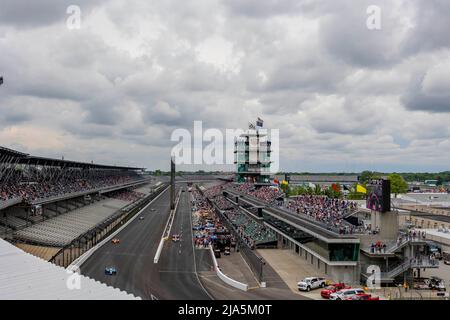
{"points": [[422, 263], [393, 247], [310, 226]]}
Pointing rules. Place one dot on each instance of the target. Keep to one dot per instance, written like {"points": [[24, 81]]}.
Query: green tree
{"points": [[317, 190], [157, 173], [398, 184], [368, 175]]}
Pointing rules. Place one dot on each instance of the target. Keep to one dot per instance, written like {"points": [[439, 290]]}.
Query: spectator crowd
{"points": [[207, 227], [330, 212], [34, 184], [126, 195]]}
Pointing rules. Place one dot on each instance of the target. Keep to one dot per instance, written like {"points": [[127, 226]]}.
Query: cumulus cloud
{"points": [[344, 97], [430, 91]]}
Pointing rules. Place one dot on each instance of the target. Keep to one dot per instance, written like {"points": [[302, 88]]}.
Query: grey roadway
{"points": [[173, 277], [177, 274]]}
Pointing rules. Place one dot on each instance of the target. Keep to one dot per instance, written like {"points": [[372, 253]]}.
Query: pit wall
{"points": [[224, 277]]}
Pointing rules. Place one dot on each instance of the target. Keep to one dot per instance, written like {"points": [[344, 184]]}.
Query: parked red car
{"points": [[363, 296], [332, 288]]}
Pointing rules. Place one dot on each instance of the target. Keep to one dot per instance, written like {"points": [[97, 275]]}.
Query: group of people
{"points": [[423, 260], [265, 193], [221, 202], [215, 190], [42, 185], [206, 225], [126, 195], [249, 230], [416, 235], [378, 247], [329, 211]]}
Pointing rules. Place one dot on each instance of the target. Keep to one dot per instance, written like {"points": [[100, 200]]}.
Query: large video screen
{"points": [[379, 195]]}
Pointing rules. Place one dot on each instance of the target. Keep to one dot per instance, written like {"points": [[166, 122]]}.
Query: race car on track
{"points": [[110, 271], [175, 237], [141, 218], [325, 293], [115, 241]]}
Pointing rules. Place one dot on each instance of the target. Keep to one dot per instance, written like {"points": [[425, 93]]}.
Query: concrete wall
{"points": [[424, 222], [344, 274], [387, 223], [425, 208], [347, 274]]}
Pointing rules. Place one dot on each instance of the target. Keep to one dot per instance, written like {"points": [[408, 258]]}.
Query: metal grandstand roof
{"points": [[34, 160], [25, 277], [11, 152]]}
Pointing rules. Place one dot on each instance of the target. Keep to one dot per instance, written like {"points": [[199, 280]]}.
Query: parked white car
{"points": [[345, 293], [310, 283]]}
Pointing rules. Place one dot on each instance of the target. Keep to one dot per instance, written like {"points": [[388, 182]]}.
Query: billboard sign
{"points": [[379, 195]]}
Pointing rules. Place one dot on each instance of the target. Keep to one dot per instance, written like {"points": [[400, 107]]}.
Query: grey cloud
{"points": [[430, 25], [262, 9], [292, 58], [418, 98], [28, 14]]}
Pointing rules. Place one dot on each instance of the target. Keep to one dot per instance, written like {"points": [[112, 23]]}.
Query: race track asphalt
{"points": [[173, 277], [182, 273]]}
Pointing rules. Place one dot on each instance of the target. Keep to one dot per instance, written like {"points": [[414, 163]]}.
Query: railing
{"points": [[397, 270], [392, 247], [292, 214], [403, 266]]}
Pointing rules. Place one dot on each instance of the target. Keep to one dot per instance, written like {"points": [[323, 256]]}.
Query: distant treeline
{"points": [[442, 177], [408, 176]]}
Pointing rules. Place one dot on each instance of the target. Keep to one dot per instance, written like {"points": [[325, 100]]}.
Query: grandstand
{"points": [[252, 232], [37, 180], [50, 202], [61, 230]]}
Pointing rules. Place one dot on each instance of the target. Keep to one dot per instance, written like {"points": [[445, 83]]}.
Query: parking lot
{"points": [[291, 268]]}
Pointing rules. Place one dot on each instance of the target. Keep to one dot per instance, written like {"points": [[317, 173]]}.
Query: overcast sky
{"points": [[344, 97]]}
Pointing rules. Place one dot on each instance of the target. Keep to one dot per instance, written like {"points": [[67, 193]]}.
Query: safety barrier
{"points": [[224, 277]]}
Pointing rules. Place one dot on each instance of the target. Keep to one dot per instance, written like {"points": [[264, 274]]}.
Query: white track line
{"points": [[169, 224], [82, 259]]}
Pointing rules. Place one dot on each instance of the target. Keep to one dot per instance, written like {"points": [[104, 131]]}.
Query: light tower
{"points": [[172, 183]]}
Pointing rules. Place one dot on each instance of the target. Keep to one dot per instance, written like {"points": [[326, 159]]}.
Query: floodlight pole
{"points": [[172, 183]]}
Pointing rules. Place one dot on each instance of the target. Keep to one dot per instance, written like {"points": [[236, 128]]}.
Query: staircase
{"points": [[397, 270]]}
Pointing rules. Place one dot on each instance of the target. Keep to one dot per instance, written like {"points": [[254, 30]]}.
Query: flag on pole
{"points": [[259, 122], [360, 189], [251, 126]]}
